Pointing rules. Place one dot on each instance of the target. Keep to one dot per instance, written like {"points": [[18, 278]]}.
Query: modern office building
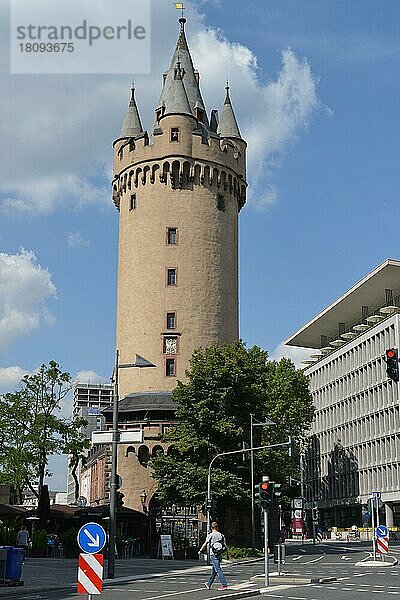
{"points": [[178, 188], [88, 402], [354, 445]]}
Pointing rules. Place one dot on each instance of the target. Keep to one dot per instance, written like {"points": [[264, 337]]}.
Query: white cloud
{"points": [[44, 194], [271, 115], [10, 377], [25, 286], [61, 157], [76, 239], [88, 377], [297, 354]]}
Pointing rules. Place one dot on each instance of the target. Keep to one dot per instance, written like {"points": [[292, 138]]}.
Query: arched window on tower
{"points": [[144, 456]]}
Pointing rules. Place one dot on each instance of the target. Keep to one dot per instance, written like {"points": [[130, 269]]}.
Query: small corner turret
{"points": [[132, 125], [228, 127]]}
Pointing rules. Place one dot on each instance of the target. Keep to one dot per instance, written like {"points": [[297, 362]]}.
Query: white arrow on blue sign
{"points": [[91, 538], [382, 531]]}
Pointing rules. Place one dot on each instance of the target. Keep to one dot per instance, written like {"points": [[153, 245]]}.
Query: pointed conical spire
{"points": [[175, 97], [132, 126], [228, 127], [190, 78]]}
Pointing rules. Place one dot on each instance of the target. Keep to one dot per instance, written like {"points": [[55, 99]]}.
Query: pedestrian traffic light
{"points": [[266, 488], [392, 363], [277, 489], [120, 499]]}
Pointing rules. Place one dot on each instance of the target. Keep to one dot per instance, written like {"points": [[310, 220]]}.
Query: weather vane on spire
{"points": [[180, 6]]}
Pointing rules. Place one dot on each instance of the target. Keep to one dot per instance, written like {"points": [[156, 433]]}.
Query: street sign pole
{"points": [[373, 527], [377, 500], [266, 581]]}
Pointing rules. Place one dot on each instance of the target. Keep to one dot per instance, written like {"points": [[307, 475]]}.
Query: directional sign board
{"points": [[91, 538], [382, 531], [376, 494], [125, 437]]}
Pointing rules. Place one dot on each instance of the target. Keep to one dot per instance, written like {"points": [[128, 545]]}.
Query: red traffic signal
{"points": [[264, 486], [392, 364]]}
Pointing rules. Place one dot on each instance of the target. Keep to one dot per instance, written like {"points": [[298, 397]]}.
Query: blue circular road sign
{"points": [[382, 531], [91, 538]]}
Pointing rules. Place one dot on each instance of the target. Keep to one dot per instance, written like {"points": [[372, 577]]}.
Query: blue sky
{"points": [[315, 85]]}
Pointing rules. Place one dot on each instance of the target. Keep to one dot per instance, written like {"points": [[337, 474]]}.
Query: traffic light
{"points": [[392, 363], [257, 494], [291, 447], [266, 488], [277, 490], [314, 514], [120, 499], [213, 510]]}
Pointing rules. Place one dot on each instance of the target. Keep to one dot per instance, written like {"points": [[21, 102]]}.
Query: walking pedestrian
{"points": [[216, 541], [23, 540]]}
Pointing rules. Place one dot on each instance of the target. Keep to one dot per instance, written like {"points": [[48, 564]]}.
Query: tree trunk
{"points": [[75, 478]]}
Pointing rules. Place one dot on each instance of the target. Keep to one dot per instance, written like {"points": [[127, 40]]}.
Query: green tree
{"points": [[226, 384], [32, 428]]}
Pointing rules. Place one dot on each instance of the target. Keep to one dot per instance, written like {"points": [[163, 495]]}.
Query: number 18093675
{"points": [[46, 47]]}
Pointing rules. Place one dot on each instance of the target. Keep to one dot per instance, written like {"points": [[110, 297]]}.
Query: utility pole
{"points": [[113, 483], [266, 572], [254, 423]]}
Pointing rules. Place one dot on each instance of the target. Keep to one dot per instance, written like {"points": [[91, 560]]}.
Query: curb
{"points": [[287, 578], [376, 563]]}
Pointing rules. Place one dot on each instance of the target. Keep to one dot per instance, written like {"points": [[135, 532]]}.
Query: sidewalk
{"points": [[44, 574]]}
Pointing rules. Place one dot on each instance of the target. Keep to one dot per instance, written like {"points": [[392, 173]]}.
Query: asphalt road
{"points": [[180, 581]]}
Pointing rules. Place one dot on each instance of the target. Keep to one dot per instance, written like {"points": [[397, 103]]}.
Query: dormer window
{"points": [[200, 114], [175, 135]]}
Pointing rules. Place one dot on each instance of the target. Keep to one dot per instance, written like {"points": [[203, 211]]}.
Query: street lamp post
{"points": [[254, 424], [140, 363], [287, 444]]}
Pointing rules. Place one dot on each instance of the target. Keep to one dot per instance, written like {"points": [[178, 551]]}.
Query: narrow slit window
{"points": [[221, 203], [171, 276], [170, 367], [132, 203], [171, 320], [175, 134], [172, 236]]}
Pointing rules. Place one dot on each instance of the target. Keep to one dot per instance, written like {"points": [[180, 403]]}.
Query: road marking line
{"points": [[175, 593], [314, 560]]}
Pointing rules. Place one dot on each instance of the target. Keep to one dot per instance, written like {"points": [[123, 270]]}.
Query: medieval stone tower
{"points": [[179, 188]]}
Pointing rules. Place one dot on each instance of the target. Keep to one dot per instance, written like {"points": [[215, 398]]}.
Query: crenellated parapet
{"points": [[180, 173]]}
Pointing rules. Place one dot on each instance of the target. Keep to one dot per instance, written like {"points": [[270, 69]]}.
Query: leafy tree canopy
{"points": [[225, 385], [32, 428]]}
